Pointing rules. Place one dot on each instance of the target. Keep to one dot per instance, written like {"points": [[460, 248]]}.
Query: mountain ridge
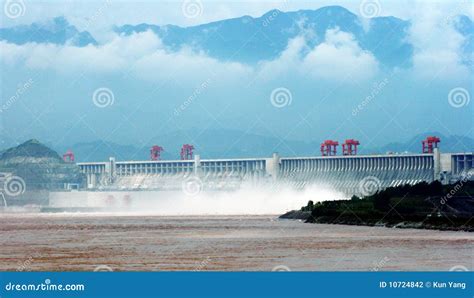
{"points": [[279, 30], [55, 31], [257, 38], [237, 144]]}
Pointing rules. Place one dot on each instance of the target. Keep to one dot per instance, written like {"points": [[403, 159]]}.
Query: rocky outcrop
{"points": [[31, 169], [296, 214]]}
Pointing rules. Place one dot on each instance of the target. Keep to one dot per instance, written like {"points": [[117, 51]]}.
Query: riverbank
{"points": [[421, 223], [421, 206]]}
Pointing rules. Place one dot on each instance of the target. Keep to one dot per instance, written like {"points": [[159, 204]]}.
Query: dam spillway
{"points": [[347, 174]]}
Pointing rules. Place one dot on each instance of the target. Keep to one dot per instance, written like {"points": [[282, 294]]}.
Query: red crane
{"points": [[329, 147], [187, 152], [155, 152], [68, 156], [430, 143], [350, 147]]}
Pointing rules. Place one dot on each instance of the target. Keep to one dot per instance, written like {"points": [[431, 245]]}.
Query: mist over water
{"points": [[245, 201]]}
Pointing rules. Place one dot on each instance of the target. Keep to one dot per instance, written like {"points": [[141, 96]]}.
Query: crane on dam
{"points": [[350, 147], [430, 143], [69, 156], [329, 148], [155, 152], [187, 152]]}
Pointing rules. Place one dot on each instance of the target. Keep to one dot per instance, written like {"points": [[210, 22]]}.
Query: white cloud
{"points": [[185, 64], [438, 46], [437, 54], [147, 58], [287, 62], [340, 56], [143, 54], [336, 58]]}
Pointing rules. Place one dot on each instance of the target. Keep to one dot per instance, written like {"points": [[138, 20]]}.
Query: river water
{"points": [[119, 242]]}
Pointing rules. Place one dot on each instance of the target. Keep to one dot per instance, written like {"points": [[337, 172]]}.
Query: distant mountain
{"points": [[56, 31], [237, 144], [447, 144], [209, 144], [264, 38], [250, 40], [102, 150], [227, 143]]}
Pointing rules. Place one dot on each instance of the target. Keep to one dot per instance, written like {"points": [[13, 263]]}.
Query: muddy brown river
{"points": [[87, 242]]}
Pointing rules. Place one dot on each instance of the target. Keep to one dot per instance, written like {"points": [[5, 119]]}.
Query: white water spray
{"points": [[247, 200]]}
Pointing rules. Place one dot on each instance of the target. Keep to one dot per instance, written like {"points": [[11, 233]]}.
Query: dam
{"points": [[350, 174]]}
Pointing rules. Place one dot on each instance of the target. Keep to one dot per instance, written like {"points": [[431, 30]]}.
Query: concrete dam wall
{"points": [[356, 174]]}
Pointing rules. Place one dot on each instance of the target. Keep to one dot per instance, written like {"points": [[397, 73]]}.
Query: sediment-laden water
{"points": [[33, 242]]}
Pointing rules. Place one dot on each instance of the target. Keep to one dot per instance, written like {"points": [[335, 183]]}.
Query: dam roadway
{"points": [[354, 174]]}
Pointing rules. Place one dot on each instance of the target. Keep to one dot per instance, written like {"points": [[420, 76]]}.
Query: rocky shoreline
{"points": [[427, 225], [421, 206], [296, 214]]}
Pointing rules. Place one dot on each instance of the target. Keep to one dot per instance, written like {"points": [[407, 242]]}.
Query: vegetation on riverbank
{"points": [[424, 205]]}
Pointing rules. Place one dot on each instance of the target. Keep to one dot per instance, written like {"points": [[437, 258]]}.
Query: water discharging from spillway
{"points": [[246, 200]]}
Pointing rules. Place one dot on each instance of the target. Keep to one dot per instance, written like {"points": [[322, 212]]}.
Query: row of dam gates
{"points": [[353, 174]]}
